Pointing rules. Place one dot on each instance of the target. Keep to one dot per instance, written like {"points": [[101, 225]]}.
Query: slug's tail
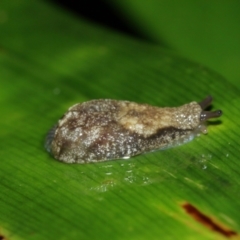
{"points": [[49, 138]]}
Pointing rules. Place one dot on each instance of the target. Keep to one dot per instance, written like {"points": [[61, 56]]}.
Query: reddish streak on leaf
{"points": [[207, 221]]}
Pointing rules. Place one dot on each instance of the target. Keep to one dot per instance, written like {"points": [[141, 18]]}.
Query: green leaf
{"points": [[205, 31], [51, 60]]}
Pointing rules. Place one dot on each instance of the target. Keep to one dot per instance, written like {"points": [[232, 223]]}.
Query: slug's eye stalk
{"points": [[205, 115], [206, 102]]}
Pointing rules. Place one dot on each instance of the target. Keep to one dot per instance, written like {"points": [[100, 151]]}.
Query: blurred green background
{"points": [[205, 31]]}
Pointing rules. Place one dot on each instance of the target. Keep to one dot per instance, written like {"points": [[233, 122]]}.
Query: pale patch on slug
{"points": [[105, 129], [147, 120]]}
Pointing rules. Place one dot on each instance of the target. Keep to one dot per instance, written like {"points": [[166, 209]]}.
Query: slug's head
{"points": [[205, 115]]}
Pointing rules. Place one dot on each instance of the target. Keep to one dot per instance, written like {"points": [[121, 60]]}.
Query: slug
{"points": [[104, 129]]}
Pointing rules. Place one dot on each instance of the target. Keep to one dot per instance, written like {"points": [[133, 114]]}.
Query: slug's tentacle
{"points": [[206, 102], [205, 115]]}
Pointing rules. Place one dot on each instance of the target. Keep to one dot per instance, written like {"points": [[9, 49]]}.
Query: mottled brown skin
{"points": [[101, 130]]}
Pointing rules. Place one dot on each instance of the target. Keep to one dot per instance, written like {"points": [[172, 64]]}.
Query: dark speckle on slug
{"points": [[104, 129]]}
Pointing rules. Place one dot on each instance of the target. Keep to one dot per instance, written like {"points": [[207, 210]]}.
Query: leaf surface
{"points": [[50, 61]]}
